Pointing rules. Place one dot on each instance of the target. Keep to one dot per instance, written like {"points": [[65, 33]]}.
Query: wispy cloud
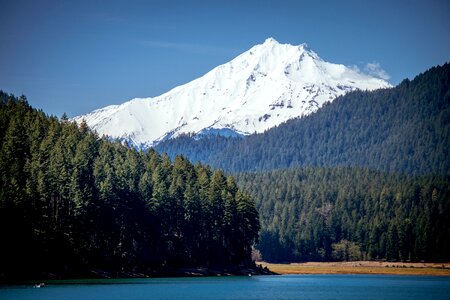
{"points": [[355, 68], [125, 20], [375, 70], [190, 47]]}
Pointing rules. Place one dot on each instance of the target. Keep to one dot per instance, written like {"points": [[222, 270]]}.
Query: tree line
{"points": [[325, 214], [73, 201]]}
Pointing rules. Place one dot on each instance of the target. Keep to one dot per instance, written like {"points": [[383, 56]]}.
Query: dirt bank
{"points": [[361, 267]]}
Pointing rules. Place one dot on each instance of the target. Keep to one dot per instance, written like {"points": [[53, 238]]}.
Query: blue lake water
{"points": [[256, 287]]}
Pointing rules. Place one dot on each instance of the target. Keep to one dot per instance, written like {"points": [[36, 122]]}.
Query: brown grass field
{"points": [[361, 267]]}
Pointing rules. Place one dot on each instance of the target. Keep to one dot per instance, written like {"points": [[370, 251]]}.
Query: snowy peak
{"points": [[259, 89], [270, 40]]}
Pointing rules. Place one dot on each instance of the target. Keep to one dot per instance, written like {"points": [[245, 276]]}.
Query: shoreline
{"points": [[260, 268], [360, 267], [127, 274]]}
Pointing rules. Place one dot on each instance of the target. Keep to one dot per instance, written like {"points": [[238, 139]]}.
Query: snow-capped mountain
{"points": [[261, 88]]}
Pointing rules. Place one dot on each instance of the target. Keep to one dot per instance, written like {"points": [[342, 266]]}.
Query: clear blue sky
{"points": [[75, 56]]}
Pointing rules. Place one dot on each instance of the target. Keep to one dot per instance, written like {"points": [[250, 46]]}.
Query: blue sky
{"points": [[76, 56]]}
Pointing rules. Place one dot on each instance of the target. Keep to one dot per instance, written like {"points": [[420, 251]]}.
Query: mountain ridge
{"points": [[405, 129], [259, 89]]}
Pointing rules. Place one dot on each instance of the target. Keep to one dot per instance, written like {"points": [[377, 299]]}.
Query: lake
{"points": [[256, 287]]}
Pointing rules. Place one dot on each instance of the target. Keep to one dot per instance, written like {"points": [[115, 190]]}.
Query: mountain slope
{"points": [[403, 129], [261, 88]]}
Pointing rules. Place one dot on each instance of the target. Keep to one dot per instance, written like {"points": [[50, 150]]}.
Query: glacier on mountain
{"points": [[259, 89]]}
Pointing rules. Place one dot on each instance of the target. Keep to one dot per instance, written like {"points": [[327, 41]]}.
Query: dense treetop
{"points": [[70, 200], [350, 214]]}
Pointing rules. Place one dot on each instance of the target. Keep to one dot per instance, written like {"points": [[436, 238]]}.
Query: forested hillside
{"points": [[71, 201], [405, 129], [317, 193], [324, 214], [366, 177]]}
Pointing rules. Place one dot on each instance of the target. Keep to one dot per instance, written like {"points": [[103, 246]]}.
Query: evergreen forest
{"points": [[71, 201], [335, 214], [365, 177]]}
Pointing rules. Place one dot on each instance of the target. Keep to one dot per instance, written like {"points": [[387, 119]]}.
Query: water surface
{"points": [[256, 287]]}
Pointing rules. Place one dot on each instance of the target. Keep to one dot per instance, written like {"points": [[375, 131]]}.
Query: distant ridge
{"points": [[404, 129]]}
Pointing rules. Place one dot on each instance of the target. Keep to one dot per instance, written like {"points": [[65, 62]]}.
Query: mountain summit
{"points": [[261, 88]]}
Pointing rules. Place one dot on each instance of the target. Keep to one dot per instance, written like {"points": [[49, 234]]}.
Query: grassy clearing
{"points": [[361, 267]]}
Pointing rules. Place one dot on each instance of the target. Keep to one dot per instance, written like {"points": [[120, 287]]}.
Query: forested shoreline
{"points": [[366, 177], [339, 214], [71, 202]]}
